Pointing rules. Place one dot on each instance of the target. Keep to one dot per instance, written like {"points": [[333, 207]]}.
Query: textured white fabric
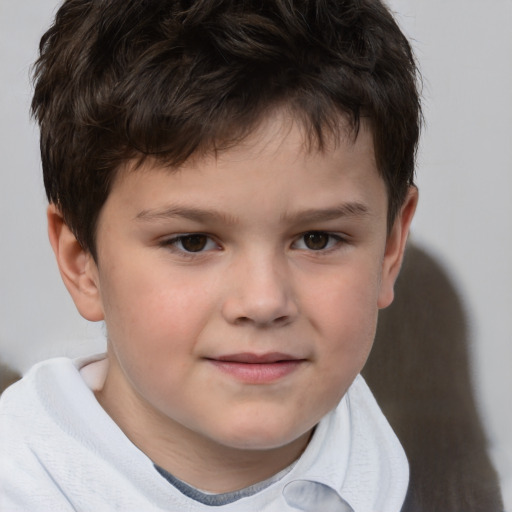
{"points": [[60, 451]]}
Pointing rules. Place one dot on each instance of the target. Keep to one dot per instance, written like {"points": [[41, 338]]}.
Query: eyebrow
{"points": [[350, 209], [185, 212]]}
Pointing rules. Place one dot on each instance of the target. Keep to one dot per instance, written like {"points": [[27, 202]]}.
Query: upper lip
{"points": [[251, 358]]}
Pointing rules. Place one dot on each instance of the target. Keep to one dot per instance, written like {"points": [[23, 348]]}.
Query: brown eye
{"points": [[316, 241], [194, 243]]}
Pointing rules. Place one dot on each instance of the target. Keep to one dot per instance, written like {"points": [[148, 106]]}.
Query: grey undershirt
{"points": [[217, 500]]}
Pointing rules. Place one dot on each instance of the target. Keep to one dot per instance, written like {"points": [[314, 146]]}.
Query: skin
{"points": [[294, 258]]}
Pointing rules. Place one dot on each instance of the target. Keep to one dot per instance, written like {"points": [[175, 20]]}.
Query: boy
{"points": [[231, 189]]}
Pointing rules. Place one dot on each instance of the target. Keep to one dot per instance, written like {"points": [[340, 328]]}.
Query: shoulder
{"points": [[30, 407], [29, 433], [37, 386]]}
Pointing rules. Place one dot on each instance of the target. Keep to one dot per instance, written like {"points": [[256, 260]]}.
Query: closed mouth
{"points": [[257, 369], [252, 358]]}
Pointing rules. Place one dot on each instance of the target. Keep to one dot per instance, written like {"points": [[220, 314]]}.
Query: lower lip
{"points": [[258, 373]]}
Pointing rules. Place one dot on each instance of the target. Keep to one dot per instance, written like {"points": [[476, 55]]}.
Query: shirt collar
{"points": [[354, 460]]}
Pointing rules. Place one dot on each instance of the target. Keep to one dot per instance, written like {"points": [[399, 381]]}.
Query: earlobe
{"points": [[76, 265], [395, 247]]}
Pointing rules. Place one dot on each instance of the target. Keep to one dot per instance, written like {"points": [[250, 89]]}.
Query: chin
{"points": [[261, 437]]}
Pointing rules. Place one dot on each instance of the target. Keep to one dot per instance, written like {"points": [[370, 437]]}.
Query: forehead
{"points": [[271, 171]]}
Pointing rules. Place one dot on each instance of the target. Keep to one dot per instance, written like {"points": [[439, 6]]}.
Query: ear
{"points": [[76, 265], [395, 247]]}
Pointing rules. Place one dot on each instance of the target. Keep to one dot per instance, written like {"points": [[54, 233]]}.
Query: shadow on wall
{"points": [[419, 372], [7, 377]]}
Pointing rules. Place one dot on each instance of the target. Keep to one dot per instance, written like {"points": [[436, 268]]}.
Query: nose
{"points": [[260, 293]]}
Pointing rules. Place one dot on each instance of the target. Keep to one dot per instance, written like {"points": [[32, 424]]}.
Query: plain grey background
{"points": [[464, 48]]}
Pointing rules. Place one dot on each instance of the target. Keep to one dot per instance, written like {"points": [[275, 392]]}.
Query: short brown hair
{"points": [[124, 79]]}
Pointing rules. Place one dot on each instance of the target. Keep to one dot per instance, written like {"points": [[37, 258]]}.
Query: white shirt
{"points": [[60, 451]]}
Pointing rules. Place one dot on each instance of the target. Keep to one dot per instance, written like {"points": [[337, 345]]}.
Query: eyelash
{"points": [[332, 243], [173, 243]]}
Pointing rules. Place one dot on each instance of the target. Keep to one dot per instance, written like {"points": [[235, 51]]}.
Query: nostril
{"points": [[242, 320], [281, 320]]}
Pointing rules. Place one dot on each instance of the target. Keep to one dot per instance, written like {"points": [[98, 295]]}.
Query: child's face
{"points": [[240, 294]]}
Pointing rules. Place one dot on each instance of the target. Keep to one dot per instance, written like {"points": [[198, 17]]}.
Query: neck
{"points": [[193, 458], [219, 469]]}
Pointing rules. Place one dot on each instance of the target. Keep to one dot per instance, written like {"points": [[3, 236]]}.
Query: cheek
{"points": [[153, 327], [150, 311], [344, 313]]}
